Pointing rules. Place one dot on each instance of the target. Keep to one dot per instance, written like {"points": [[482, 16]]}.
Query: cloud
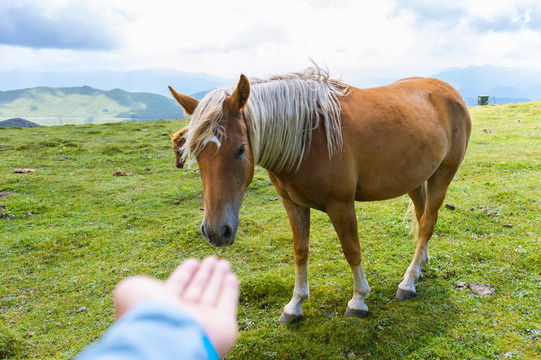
{"points": [[60, 24], [483, 16]]}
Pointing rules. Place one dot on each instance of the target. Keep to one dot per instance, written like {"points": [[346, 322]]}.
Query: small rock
{"points": [[30, 213], [81, 309], [488, 131], [450, 206], [461, 285], [481, 289], [273, 199], [29, 335], [176, 202], [144, 130], [23, 171], [508, 355], [507, 225]]}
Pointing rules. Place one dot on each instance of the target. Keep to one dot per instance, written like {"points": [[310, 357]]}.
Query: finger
{"points": [[216, 283], [180, 277], [133, 290], [194, 289], [228, 299]]}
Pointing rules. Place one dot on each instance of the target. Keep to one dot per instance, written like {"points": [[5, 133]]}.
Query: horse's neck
{"points": [[273, 144], [281, 119]]}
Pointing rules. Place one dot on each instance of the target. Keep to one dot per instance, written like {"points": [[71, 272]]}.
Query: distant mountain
{"points": [[148, 80], [85, 105], [504, 84]]}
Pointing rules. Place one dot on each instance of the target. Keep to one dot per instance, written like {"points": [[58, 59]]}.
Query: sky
{"points": [[352, 38]]}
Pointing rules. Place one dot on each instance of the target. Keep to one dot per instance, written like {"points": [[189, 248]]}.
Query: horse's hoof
{"points": [[289, 319], [404, 294], [355, 313]]}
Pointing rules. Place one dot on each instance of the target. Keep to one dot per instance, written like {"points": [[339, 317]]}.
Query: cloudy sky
{"points": [[353, 38]]}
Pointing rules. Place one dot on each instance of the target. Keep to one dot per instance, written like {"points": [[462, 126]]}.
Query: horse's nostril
{"points": [[203, 230], [227, 233]]}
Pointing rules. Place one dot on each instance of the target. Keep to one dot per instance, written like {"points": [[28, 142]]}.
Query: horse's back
{"points": [[422, 105], [398, 135]]}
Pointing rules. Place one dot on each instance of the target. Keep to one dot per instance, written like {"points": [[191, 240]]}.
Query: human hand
{"points": [[207, 290]]}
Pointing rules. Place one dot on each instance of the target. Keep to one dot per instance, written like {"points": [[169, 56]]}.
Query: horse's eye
{"points": [[241, 150]]}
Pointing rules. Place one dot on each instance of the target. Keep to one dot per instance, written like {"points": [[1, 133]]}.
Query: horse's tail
{"points": [[414, 226]]}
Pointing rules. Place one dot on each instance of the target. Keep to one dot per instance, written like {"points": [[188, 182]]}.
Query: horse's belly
{"points": [[381, 179], [386, 189]]}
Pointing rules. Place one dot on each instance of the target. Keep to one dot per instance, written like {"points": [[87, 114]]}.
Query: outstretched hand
{"points": [[207, 290]]}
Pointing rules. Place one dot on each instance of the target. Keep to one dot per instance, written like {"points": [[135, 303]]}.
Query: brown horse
{"points": [[325, 145]]}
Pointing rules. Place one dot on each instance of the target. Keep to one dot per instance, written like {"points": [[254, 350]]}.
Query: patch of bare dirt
{"points": [[122, 173], [3, 194]]}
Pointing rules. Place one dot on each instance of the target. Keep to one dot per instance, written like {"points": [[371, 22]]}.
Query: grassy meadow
{"points": [[71, 230]]}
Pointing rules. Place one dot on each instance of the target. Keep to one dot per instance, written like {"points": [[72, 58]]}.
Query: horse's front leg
{"points": [[299, 218], [343, 218]]}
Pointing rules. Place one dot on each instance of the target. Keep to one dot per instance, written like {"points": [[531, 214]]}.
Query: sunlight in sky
{"points": [[225, 38]]}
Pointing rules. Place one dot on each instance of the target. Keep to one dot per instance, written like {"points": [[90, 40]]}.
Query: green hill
{"points": [[79, 105]]}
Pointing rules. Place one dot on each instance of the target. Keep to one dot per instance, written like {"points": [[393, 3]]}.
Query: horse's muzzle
{"points": [[221, 237]]}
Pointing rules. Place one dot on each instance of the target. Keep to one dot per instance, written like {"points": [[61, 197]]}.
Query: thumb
{"points": [[135, 289]]}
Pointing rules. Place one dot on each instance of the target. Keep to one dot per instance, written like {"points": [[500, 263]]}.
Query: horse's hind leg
{"points": [[418, 196], [427, 214]]}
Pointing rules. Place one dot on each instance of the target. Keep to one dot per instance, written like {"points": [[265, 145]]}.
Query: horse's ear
{"points": [[188, 103], [240, 96]]}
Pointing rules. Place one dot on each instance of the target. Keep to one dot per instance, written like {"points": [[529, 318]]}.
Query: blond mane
{"points": [[281, 114]]}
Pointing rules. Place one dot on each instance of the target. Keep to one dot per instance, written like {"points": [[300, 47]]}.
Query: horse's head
{"points": [[225, 161], [178, 142]]}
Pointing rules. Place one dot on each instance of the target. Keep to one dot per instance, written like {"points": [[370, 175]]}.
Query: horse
{"points": [[325, 145], [178, 142]]}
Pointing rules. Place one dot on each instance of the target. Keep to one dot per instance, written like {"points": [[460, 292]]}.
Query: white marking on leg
{"points": [[361, 289], [408, 284], [212, 138], [413, 273], [424, 261], [300, 292]]}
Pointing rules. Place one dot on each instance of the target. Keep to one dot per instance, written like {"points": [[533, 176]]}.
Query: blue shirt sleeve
{"points": [[152, 330]]}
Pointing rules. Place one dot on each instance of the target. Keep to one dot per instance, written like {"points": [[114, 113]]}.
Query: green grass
{"points": [[76, 230]]}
